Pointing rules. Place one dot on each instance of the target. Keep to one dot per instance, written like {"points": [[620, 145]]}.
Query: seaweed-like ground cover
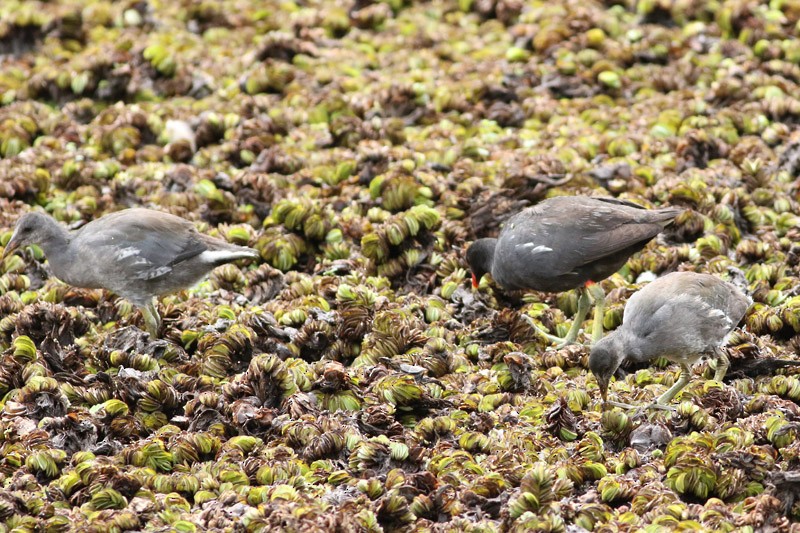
{"points": [[352, 380]]}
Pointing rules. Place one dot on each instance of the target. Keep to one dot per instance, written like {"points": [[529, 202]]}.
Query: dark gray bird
{"points": [[139, 254], [565, 243], [682, 317]]}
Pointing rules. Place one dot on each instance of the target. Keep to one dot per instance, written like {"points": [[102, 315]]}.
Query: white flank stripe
{"points": [[156, 272], [536, 249], [124, 253]]}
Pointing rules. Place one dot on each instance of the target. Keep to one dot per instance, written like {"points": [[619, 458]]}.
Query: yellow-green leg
{"points": [[577, 322], [152, 321], [722, 365], [599, 297], [686, 374]]}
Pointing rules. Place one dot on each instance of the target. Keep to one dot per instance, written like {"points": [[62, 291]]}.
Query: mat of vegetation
{"points": [[352, 379]]}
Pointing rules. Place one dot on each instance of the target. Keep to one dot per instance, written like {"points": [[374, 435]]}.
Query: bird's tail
{"points": [[666, 216], [220, 257], [244, 253]]}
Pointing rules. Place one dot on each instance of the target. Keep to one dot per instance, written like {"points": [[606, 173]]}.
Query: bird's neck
{"points": [[631, 349], [57, 250]]}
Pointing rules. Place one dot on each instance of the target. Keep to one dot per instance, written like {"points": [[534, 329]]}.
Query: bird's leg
{"points": [[599, 297], [152, 321], [572, 334], [686, 374], [580, 316], [722, 365]]}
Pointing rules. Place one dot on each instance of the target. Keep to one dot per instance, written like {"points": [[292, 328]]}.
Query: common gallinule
{"points": [[681, 316], [567, 242], [139, 254]]}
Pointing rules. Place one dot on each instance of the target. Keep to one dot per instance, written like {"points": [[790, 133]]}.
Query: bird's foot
{"points": [[654, 405], [558, 342], [621, 405], [661, 406], [564, 342], [639, 410]]}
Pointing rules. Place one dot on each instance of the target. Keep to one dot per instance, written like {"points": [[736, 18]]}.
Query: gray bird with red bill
{"points": [[568, 242]]}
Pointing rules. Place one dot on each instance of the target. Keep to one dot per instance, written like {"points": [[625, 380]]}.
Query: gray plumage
{"points": [[565, 242], [137, 253], [681, 316]]}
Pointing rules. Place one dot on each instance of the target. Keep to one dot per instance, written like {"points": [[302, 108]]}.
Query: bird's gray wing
{"points": [[675, 322], [141, 244], [591, 231], [728, 298]]}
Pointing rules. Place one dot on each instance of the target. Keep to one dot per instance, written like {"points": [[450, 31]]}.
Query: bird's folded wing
{"points": [[683, 321], [589, 235], [143, 246], [609, 241]]}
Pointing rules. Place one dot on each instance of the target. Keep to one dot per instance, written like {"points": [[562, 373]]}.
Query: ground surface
{"points": [[352, 380]]}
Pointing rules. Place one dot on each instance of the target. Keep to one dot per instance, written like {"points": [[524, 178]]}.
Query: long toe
{"points": [[651, 406], [558, 342], [621, 405], [659, 406], [563, 342], [667, 397], [575, 328]]}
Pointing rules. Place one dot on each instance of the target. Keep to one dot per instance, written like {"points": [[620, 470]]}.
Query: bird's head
{"points": [[480, 256], [606, 356], [31, 228]]}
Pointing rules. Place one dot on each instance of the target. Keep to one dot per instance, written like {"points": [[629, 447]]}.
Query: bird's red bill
{"points": [[474, 282]]}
